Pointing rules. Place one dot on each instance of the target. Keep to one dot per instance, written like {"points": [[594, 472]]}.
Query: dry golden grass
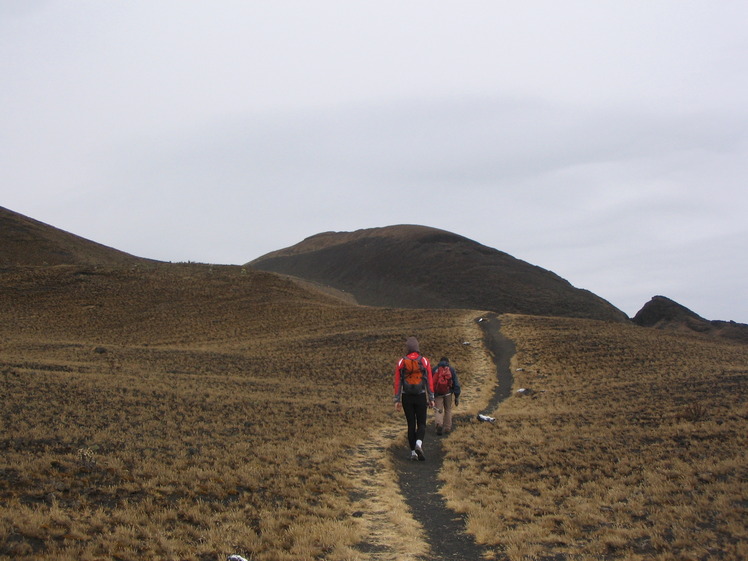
{"points": [[632, 445], [389, 529], [191, 412]]}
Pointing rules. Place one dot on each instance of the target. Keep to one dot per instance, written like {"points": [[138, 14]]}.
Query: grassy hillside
{"points": [[627, 444], [25, 241], [191, 412], [159, 411]]}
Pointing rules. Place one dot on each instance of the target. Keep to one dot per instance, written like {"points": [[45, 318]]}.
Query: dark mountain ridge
{"points": [[665, 314], [395, 266], [411, 266], [28, 242]]}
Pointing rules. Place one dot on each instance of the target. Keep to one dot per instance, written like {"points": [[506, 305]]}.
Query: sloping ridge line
{"points": [[422, 267]]}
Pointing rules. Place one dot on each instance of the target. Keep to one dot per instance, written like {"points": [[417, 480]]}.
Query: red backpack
{"points": [[443, 380], [413, 376]]}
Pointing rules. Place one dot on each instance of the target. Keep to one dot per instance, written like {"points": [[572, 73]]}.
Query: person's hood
{"points": [[411, 344]]}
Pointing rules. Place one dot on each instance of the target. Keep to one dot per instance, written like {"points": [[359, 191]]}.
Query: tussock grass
{"points": [[191, 412], [630, 445]]}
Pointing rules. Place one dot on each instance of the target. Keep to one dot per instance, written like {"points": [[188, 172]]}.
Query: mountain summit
{"points": [[410, 266]]}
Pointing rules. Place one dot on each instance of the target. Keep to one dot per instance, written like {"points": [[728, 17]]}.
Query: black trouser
{"points": [[415, 408]]}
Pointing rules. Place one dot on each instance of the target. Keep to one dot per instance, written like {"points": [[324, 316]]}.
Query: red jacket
{"points": [[426, 364]]}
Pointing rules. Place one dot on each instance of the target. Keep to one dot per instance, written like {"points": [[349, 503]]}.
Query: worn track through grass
{"points": [[419, 482]]}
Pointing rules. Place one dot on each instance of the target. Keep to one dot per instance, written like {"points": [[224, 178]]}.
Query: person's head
{"points": [[411, 345], [444, 360]]}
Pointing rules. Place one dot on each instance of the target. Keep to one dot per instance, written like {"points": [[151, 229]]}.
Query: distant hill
{"points": [[403, 266], [410, 266], [25, 241], [663, 313]]}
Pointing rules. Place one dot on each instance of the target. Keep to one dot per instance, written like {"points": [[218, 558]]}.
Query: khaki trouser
{"points": [[443, 404]]}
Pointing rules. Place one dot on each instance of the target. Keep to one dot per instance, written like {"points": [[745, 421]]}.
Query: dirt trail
{"points": [[419, 481], [502, 350], [393, 536], [389, 536]]}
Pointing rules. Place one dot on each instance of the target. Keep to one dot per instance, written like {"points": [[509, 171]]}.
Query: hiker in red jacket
{"points": [[414, 394]]}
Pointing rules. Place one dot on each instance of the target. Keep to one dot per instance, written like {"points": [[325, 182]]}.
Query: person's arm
{"points": [[430, 388], [455, 386], [455, 383], [398, 385]]}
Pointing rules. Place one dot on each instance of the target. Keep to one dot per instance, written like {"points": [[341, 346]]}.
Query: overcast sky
{"points": [[606, 141]]}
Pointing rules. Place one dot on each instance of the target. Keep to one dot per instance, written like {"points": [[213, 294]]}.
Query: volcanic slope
{"points": [[410, 266], [26, 241], [185, 411], [665, 314], [188, 411]]}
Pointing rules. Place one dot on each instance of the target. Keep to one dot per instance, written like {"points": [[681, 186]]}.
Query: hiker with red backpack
{"points": [[414, 394], [445, 386]]}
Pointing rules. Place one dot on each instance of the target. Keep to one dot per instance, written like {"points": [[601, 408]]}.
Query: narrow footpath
{"points": [[419, 481]]}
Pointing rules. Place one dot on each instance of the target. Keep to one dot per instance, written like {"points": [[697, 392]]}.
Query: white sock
{"points": [[419, 443]]}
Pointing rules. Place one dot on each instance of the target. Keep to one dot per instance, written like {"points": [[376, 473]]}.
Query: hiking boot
{"points": [[438, 429], [419, 454], [413, 455]]}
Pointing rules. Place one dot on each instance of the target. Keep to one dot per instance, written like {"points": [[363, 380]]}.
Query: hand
{"points": [[398, 406], [432, 404], [457, 401]]}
